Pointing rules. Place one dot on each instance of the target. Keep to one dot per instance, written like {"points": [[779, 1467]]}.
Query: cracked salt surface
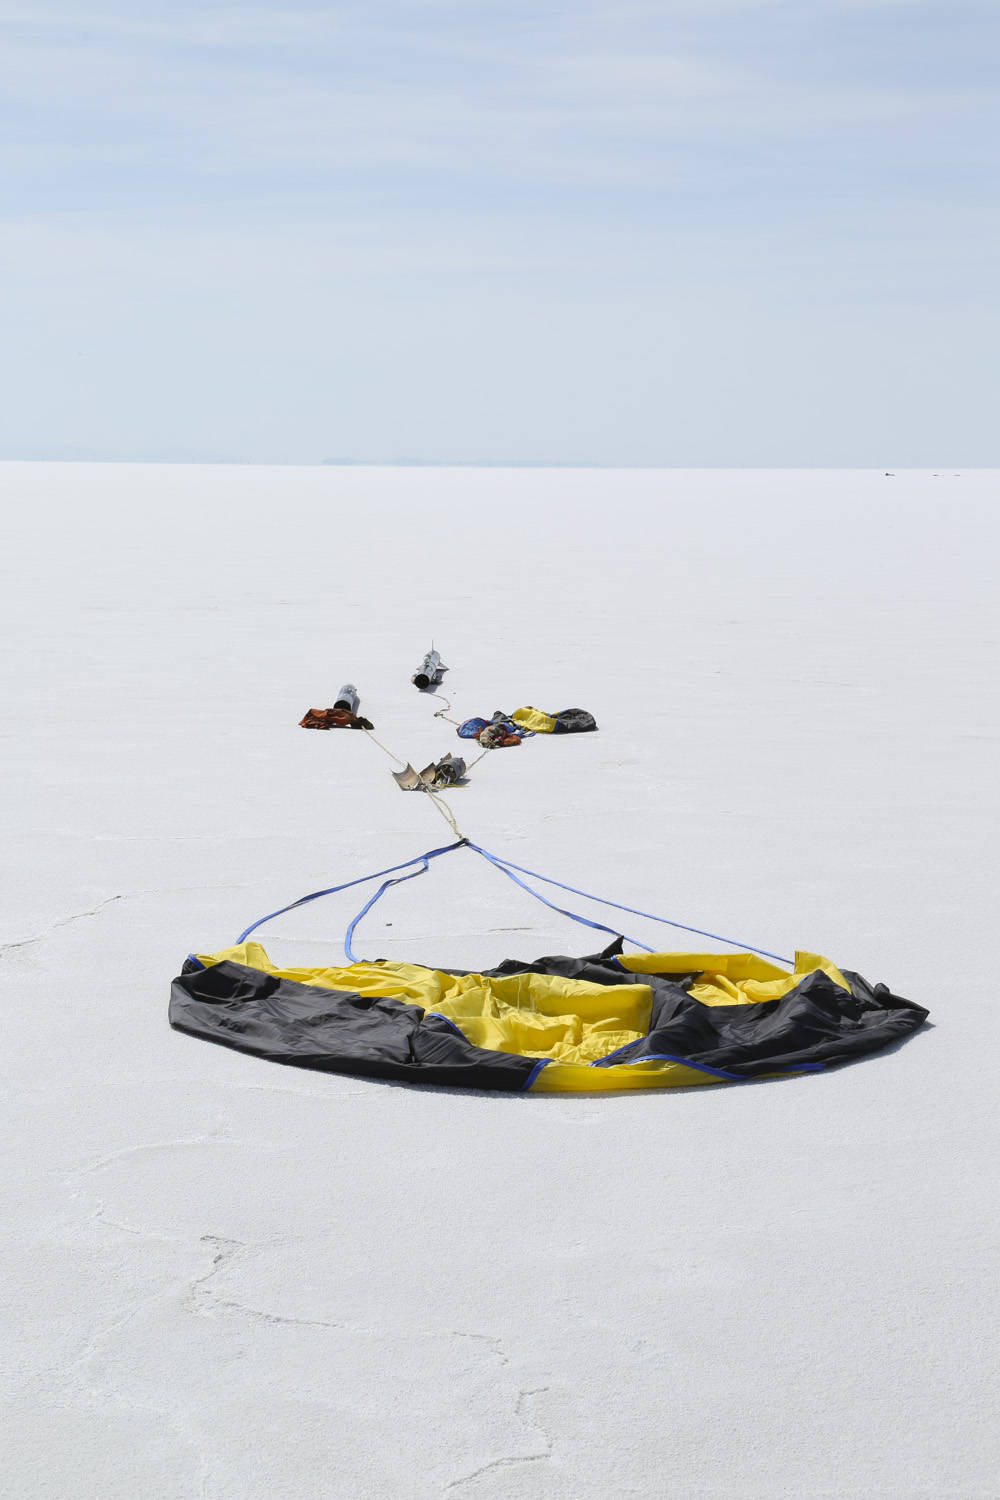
{"points": [[238, 1282], [77, 916], [494, 1465]]}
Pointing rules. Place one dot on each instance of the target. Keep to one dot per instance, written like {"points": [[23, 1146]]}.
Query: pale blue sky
{"points": [[717, 232]]}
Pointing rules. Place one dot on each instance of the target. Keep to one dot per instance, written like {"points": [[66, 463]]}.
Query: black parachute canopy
{"points": [[610, 1021]]}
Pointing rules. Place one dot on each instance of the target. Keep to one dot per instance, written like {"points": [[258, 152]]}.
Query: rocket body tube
{"points": [[348, 698], [430, 671]]}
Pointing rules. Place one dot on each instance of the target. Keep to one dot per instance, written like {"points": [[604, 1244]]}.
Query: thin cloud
{"points": [[497, 227], [264, 90]]}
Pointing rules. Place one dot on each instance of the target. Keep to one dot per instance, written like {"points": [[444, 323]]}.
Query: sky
{"points": [[686, 233]]}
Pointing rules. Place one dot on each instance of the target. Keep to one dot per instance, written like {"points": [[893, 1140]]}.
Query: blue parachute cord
{"points": [[332, 890], [500, 862], [425, 865], [507, 867], [573, 916]]}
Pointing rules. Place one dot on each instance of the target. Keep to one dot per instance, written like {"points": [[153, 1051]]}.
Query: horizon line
{"points": [[488, 463]]}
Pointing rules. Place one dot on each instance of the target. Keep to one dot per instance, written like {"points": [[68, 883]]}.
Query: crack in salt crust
{"points": [[514, 1460], [77, 916]]}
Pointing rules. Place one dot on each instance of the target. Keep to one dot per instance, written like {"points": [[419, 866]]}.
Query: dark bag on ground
{"points": [[574, 721]]}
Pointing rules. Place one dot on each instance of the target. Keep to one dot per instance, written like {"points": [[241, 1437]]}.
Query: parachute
{"points": [[609, 1021], [566, 721]]}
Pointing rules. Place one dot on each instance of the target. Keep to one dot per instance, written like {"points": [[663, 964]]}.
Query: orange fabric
{"points": [[332, 718]]}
